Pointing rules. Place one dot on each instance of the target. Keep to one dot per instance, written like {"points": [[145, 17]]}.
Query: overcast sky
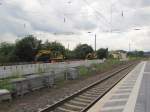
{"points": [[69, 21]]}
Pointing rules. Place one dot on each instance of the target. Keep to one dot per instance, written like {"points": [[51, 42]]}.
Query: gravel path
{"points": [[38, 99]]}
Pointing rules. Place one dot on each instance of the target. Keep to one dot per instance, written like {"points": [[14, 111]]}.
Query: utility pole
{"points": [[129, 47], [95, 42], [111, 16], [68, 46]]}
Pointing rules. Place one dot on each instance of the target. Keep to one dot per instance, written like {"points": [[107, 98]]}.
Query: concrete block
{"points": [[72, 74], [20, 86], [59, 74], [35, 82], [48, 79], [4, 95]]}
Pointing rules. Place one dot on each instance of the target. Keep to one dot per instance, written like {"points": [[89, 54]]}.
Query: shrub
{"points": [[5, 84], [83, 71]]}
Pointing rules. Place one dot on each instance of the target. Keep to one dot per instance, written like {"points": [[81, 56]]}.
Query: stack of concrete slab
{"points": [[40, 81], [48, 79], [59, 74], [31, 82], [35, 82], [72, 74], [4, 95], [20, 86]]}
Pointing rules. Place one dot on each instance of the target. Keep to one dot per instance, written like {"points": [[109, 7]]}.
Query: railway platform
{"points": [[132, 94]]}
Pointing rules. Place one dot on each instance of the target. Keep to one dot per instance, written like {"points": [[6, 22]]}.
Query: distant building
{"points": [[121, 55]]}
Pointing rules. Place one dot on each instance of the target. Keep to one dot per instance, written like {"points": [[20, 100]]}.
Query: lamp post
{"points": [[130, 44], [95, 40]]}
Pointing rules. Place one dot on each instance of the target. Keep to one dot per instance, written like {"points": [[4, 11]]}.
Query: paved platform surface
{"points": [[132, 94]]}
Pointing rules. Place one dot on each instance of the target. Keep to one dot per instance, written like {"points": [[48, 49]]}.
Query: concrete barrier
{"points": [[5, 95], [7, 71], [20, 86], [35, 82], [72, 74], [48, 79], [59, 74]]}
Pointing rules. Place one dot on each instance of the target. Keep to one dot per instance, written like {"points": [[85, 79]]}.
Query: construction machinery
{"points": [[91, 56], [49, 56]]}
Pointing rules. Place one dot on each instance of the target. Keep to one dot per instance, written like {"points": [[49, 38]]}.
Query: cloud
{"points": [[8, 37], [71, 20]]}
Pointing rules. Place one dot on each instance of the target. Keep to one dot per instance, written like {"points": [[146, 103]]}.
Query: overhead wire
{"points": [[100, 15], [96, 11], [66, 15], [81, 13]]}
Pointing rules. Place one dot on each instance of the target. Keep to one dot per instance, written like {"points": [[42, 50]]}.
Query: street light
{"points": [[95, 42], [136, 29]]}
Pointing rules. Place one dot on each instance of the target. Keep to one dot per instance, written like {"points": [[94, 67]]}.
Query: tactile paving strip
{"points": [[143, 100]]}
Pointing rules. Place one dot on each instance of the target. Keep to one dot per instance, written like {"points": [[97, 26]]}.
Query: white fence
{"points": [[8, 71]]}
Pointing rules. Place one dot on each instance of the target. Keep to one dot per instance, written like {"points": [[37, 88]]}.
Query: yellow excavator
{"points": [[91, 56], [48, 56]]}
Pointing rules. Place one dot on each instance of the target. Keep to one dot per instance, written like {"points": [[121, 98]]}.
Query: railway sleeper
{"points": [[95, 93], [97, 90], [86, 97], [92, 95], [89, 96], [72, 106], [78, 102], [83, 100], [61, 109]]}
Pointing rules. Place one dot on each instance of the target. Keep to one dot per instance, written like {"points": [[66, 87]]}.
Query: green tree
{"points": [[69, 54], [56, 48], [136, 54], [141, 53], [7, 52], [82, 50], [27, 48], [102, 53]]}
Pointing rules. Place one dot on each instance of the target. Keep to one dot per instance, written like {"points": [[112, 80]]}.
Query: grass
{"points": [[5, 84], [95, 68], [83, 71]]}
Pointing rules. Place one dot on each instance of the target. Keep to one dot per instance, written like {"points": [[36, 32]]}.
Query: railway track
{"points": [[83, 99]]}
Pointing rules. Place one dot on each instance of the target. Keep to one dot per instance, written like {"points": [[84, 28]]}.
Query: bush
{"points": [[5, 84], [102, 53], [83, 71], [82, 50], [106, 65]]}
